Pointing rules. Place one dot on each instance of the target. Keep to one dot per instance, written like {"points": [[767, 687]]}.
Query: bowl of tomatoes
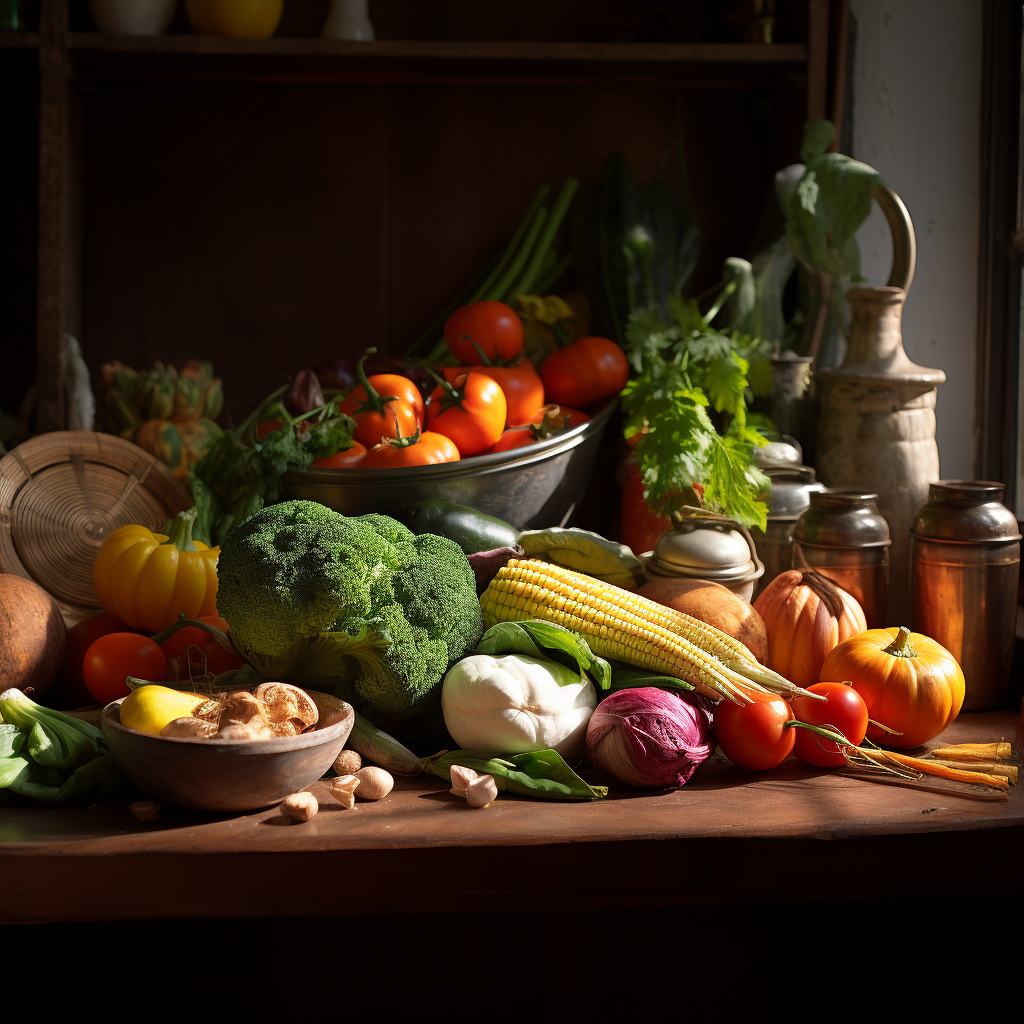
{"points": [[494, 432]]}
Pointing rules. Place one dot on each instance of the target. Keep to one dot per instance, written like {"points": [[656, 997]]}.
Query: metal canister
{"points": [[843, 536], [965, 565], [706, 546], [790, 495]]}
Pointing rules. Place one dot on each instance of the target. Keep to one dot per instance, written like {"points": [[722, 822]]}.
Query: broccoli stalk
{"points": [[357, 605]]}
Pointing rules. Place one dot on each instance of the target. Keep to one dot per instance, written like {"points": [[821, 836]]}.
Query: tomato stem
{"points": [[374, 402]]}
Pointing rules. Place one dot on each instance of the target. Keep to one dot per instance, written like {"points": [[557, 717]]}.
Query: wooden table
{"points": [[729, 836]]}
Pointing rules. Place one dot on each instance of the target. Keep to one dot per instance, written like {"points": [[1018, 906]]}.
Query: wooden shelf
{"points": [[211, 57], [19, 41]]}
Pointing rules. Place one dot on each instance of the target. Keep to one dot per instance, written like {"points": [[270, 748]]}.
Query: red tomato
{"points": [[431, 448], [514, 437], [112, 658], [267, 427], [495, 327], [69, 689], [178, 643], [843, 708], [474, 419], [387, 385], [755, 735], [570, 417], [343, 460], [585, 371]]}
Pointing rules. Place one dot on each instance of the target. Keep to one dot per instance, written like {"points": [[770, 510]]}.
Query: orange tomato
{"points": [[427, 449], [387, 385], [471, 411], [514, 437], [398, 419], [343, 460], [520, 384]]}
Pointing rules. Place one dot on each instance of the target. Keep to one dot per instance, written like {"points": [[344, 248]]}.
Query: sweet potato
{"points": [[714, 604]]}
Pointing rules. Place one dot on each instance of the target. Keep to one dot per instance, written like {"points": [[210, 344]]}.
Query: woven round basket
{"points": [[62, 494]]}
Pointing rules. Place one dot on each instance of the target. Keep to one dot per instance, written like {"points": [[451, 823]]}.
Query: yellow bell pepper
{"points": [[145, 579]]}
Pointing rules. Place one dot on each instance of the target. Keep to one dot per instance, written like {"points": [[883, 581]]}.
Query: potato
{"points": [[714, 604], [32, 636]]}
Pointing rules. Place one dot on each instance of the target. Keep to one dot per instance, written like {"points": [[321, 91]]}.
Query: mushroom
{"points": [[242, 708], [190, 727], [289, 710], [348, 762], [248, 732]]}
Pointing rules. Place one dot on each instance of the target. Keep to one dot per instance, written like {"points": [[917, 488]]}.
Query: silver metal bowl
{"points": [[537, 486]]}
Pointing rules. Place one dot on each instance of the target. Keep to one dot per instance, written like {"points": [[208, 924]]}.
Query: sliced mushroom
{"points": [[188, 727], [289, 710], [242, 708], [248, 732]]}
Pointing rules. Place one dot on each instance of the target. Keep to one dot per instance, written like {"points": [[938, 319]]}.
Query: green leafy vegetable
{"points": [[541, 773], [546, 640], [688, 375], [49, 757], [240, 474]]}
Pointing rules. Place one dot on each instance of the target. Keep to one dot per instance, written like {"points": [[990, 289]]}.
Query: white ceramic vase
{"points": [[348, 19], [132, 17]]}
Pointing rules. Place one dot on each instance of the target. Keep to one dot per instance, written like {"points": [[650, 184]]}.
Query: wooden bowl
{"points": [[223, 775]]}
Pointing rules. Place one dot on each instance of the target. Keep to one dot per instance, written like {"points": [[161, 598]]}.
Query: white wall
{"points": [[916, 119]]}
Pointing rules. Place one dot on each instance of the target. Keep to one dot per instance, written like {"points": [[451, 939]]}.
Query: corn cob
{"points": [[622, 625]]}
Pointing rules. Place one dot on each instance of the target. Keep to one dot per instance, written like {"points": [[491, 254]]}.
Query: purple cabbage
{"points": [[649, 737]]}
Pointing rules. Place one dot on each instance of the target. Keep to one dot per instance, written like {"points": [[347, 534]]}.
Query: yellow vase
{"points": [[238, 19]]}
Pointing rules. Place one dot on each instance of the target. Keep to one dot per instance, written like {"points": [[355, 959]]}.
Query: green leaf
{"points": [[726, 383], [818, 136], [12, 739], [10, 769], [53, 739], [541, 774], [538, 639], [626, 677]]}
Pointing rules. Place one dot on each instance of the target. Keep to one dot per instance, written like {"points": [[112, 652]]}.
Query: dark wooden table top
{"points": [[728, 835]]}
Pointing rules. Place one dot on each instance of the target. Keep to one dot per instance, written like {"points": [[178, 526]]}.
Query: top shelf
{"points": [[304, 59]]}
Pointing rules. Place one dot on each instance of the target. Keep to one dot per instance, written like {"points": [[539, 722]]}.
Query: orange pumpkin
{"points": [[805, 615], [908, 681]]}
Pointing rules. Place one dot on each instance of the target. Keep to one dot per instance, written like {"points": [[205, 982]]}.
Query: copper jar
{"points": [[843, 536], [965, 565]]}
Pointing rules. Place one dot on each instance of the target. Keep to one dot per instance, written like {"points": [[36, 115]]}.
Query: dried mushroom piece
{"points": [[248, 732], [184, 728], [289, 710], [241, 708]]}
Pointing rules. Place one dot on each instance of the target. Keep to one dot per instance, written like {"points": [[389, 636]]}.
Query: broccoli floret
{"points": [[359, 604]]}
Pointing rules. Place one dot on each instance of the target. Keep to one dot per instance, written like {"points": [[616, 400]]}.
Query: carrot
{"points": [[973, 752], [925, 767]]}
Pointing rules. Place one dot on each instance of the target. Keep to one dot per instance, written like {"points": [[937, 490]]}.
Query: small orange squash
{"points": [[908, 681], [805, 615]]}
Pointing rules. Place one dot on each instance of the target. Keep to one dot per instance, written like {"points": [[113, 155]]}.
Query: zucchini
{"points": [[472, 530]]}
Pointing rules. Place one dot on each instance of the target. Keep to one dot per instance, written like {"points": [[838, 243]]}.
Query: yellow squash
{"points": [[146, 579], [151, 708]]}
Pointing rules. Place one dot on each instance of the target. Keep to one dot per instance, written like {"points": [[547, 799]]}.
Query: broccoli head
{"points": [[357, 604]]}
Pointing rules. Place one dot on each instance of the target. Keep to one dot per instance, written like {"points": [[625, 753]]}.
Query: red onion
{"points": [[649, 737]]}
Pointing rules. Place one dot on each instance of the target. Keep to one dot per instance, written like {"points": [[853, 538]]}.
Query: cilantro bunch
{"points": [[687, 406], [241, 472]]}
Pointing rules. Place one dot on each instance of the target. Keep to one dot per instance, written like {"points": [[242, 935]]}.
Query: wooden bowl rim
{"points": [[111, 715]]}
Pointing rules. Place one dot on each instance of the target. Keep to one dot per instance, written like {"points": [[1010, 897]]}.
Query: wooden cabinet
{"points": [[271, 204]]}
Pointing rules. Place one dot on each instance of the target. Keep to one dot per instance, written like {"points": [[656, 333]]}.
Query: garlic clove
{"points": [[374, 783], [482, 791], [461, 776], [300, 806], [343, 789]]}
